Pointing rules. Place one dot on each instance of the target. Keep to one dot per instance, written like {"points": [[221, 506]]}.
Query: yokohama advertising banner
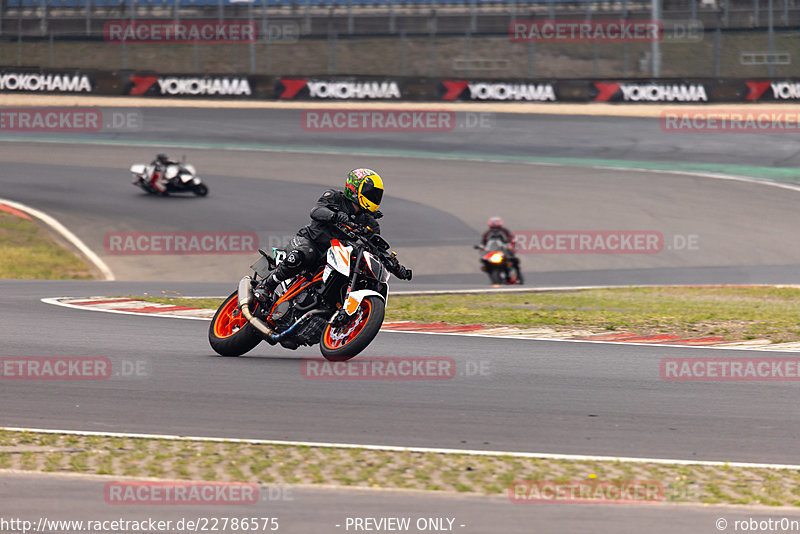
{"points": [[37, 81], [645, 91], [336, 88], [772, 90], [528, 91], [188, 85]]}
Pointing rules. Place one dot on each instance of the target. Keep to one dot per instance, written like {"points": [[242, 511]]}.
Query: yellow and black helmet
{"points": [[365, 188]]}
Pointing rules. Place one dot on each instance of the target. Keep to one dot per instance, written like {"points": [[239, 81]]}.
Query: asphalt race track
{"points": [[435, 206], [536, 396]]}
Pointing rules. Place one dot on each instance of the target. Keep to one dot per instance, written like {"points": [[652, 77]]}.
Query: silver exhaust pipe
{"points": [[245, 291], [245, 298]]}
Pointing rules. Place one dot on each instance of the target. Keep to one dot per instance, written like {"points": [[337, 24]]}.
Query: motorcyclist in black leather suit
{"points": [[356, 205]]}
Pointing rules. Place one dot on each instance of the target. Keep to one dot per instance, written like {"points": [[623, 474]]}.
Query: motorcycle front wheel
{"points": [[230, 334], [201, 190], [340, 343]]}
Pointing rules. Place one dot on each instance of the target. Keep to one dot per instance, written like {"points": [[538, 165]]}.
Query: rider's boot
{"points": [[289, 267], [283, 271], [265, 288]]}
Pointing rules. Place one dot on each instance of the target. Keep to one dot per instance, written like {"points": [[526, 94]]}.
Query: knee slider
{"points": [[295, 259]]}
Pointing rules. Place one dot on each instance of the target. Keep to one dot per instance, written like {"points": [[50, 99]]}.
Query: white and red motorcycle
{"points": [[341, 306]]}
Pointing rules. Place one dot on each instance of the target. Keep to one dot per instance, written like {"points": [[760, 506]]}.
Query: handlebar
{"points": [[361, 233], [354, 231], [348, 231]]}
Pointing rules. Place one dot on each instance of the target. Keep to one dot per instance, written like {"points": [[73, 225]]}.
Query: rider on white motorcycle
{"points": [[356, 205], [160, 164]]}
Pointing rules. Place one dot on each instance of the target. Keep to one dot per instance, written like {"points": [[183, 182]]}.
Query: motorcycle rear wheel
{"points": [[341, 343], [229, 333]]}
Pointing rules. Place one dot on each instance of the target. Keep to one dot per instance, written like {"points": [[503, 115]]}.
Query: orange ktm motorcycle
{"points": [[341, 306]]}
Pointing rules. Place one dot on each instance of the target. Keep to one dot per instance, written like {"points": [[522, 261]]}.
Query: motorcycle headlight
{"points": [[497, 257]]}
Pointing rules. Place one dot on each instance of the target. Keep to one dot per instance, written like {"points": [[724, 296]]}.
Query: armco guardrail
{"points": [[364, 88]]}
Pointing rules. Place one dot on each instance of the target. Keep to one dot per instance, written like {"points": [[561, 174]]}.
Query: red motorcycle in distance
{"points": [[499, 263]]}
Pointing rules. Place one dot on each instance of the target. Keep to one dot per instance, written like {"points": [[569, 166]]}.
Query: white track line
{"points": [[66, 234], [597, 342], [561, 288], [715, 176], [517, 289], [527, 289], [56, 302], [390, 448]]}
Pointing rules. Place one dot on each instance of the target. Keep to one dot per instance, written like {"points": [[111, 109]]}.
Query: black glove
{"points": [[403, 273], [340, 218]]}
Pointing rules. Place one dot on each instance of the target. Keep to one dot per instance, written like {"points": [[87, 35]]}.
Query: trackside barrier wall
{"points": [[365, 88]]}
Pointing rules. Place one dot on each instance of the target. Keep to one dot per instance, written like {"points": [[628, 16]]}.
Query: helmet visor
{"points": [[372, 193]]}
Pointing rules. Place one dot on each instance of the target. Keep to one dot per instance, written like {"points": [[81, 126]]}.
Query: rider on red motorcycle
{"points": [[357, 205], [498, 231]]}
